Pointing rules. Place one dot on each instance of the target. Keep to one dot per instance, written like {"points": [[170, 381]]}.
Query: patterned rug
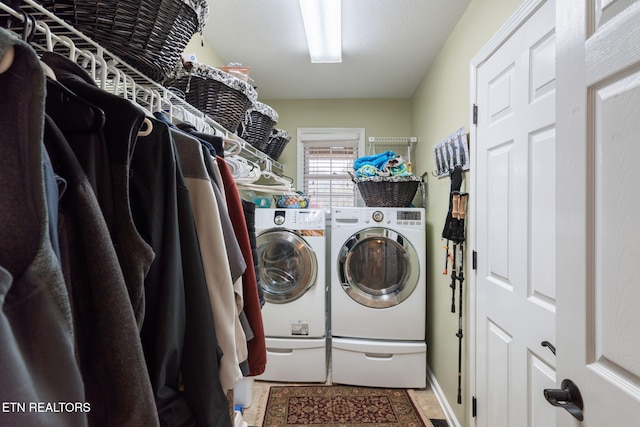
{"points": [[329, 406]]}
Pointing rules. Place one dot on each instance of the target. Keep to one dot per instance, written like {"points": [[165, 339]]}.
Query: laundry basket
{"points": [[388, 191], [220, 95], [278, 139], [149, 35], [257, 125]]}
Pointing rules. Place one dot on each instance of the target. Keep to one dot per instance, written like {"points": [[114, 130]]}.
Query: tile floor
{"points": [[424, 399]]}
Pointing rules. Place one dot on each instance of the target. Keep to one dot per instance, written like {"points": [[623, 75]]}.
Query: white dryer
{"points": [[378, 297], [291, 269]]}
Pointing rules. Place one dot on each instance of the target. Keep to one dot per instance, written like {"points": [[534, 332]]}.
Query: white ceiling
{"points": [[387, 46]]}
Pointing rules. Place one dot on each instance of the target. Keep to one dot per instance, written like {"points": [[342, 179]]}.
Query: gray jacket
{"points": [[39, 376]]}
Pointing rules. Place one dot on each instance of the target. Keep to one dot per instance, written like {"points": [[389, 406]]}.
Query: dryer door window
{"points": [[287, 265], [378, 267]]}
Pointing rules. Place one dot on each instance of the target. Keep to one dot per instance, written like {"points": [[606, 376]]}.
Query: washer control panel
{"points": [[383, 216], [278, 218]]}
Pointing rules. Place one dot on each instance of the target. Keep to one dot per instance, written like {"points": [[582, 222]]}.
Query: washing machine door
{"points": [[287, 265], [378, 267]]}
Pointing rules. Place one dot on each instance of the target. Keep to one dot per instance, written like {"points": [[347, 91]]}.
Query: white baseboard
{"points": [[444, 403]]}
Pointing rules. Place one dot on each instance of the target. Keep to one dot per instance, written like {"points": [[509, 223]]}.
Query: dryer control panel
{"points": [[299, 219]]}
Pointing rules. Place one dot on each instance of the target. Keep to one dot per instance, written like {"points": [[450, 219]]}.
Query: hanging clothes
{"points": [[214, 255], [105, 270], [256, 346], [155, 209], [36, 327], [214, 141], [146, 196], [107, 343], [200, 366], [237, 263], [119, 133]]}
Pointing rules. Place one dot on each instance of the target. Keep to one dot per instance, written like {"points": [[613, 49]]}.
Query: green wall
{"points": [[379, 117], [440, 106], [203, 51]]}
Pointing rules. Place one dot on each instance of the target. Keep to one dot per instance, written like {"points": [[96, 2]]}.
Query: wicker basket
{"points": [[221, 96], [277, 141], [258, 124], [392, 191], [150, 35]]}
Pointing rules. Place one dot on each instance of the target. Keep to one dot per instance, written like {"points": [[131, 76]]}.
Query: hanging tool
{"points": [[455, 206], [454, 231], [459, 334], [462, 208], [453, 279], [450, 230]]}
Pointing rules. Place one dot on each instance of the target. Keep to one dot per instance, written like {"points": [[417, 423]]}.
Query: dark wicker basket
{"points": [[393, 191], [149, 35], [277, 141], [221, 96], [258, 124]]}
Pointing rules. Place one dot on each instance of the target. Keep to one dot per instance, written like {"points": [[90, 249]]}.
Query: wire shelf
{"points": [[51, 34]]}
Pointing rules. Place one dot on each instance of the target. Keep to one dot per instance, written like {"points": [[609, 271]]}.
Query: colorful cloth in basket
{"points": [[383, 164]]}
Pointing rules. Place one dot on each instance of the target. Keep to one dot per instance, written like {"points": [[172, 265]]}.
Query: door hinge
{"points": [[474, 407], [475, 114], [474, 260]]}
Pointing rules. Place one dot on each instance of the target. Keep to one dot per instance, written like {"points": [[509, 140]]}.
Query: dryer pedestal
{"points": [[296, 360], [374, 363]]}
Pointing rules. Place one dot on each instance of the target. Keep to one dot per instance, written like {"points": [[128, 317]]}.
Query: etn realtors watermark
{"points": [[52, 407]]}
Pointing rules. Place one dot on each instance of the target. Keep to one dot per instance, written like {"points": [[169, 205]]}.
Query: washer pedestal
{"points": [[296, 360], [373, 363]]}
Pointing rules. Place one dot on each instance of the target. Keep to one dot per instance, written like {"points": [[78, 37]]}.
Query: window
{"points": [[325, 156]]}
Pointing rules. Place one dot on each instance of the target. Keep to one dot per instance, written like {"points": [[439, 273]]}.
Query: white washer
{"points": [[378, 297], [291, 268]]}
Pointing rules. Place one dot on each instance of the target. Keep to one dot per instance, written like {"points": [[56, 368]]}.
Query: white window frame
{"points": [[327, 134]]}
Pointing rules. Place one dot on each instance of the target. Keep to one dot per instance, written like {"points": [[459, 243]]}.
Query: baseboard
{"points": [[444, 403]]}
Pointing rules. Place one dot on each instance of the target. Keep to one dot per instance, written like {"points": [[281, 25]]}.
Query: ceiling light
{"points": [[323, 25]]}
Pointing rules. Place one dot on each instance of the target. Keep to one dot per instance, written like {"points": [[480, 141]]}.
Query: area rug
{"points": [[332, 406]]}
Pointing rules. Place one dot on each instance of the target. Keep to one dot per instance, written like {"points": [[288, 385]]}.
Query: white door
{"points": [[598, 220], [515, 225]]}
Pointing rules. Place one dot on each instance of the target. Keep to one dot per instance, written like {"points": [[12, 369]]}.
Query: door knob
{"points": [[567, 397]]}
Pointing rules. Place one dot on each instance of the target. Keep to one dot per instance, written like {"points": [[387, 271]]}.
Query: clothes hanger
{"points": [[48, 35], [272, 189], [243, 170], [157, 101], [87, 61], [48, 71], [70, 45], [232, 147], [280, 179], [147, 127], [182, 116], [29, 28]]}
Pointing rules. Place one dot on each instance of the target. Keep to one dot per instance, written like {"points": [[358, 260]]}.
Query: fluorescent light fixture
{"points": [[323, 25]]}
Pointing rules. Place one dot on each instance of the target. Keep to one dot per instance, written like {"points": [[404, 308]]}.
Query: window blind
{"points": [[325, 170]]}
